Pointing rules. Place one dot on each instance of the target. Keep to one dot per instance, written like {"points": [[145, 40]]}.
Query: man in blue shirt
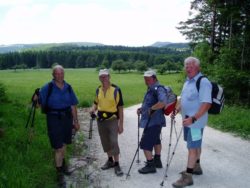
{"points": [[152, 120], [194, 109], [59, 101]]}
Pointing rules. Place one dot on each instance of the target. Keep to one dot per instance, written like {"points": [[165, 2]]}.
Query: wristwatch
{"points": [[193, 119]]}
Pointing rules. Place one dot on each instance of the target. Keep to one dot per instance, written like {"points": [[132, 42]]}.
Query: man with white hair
{"points": [[194, 110], [152, 120], [109, 104], [59, 102]]}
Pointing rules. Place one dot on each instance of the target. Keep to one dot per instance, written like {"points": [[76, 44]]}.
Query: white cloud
{"points": [[129, 22]]}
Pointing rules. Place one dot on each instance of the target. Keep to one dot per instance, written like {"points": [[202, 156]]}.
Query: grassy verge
{"points": [[233, 119], [26, 157]]}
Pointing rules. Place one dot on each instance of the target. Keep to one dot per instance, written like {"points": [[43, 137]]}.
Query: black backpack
{"points": [[217, 95]]}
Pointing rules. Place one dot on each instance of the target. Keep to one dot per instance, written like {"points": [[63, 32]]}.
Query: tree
{"points": [[141, 66], [220, 31], [119, 65]]}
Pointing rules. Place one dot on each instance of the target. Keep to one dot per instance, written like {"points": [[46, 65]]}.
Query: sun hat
{"points": [[103, 72], [149, 73]]}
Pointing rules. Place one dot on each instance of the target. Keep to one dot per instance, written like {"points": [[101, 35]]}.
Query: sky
{"points": [[110, 22]]}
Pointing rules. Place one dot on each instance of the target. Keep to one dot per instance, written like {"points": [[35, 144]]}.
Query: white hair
{"points": [[57, 67], [192, 60]]}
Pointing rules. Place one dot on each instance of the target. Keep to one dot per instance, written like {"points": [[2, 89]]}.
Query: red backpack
{"points": [[171, 100]]}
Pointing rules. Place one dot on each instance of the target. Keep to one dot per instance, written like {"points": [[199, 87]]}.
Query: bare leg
{"points": [[116, 158], [157, 149], [148, 155], [59, 156], [199, 153], [192, 157]]}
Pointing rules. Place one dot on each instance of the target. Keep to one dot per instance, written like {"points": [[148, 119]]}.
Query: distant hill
{"points": [[160, 44], [69, 45], [22, 47], [170, 45]]}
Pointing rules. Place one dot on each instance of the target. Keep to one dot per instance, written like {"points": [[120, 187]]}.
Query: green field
{"points": [[28, 162], [21, 84]]}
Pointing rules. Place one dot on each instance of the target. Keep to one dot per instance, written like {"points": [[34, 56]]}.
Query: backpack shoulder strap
{"points": [[50, 86], [155, 89], [116, 90], [69, 88], [198, 82], [97, 90]]}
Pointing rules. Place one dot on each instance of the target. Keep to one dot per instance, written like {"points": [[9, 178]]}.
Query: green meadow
{"points": [[26, 159], [21, 84]]}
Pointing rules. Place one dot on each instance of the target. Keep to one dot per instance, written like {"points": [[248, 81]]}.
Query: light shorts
{"points": [[193, 137]]}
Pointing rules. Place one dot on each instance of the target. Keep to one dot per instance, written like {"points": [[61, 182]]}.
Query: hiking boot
{"points": [[60, 179], [118, 170], [108, 165], [66, 170], [157, 161], [197, 169], [148, 168], [185, 180]]}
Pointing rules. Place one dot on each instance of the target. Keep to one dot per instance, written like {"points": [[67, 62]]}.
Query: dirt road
{"points": [[225, 159]]}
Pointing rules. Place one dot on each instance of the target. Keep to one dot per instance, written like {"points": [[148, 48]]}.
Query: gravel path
{"points": [[225, 158]]}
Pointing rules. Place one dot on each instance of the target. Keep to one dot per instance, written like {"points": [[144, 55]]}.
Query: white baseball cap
{"points": [[149, 73], [103, 72]]}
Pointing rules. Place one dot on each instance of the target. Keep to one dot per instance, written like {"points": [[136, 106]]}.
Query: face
{"points": [[191, 69], [58, 75], [149, 81], [104, 79]]}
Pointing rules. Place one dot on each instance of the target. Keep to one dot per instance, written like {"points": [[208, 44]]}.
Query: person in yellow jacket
{"points": [[109, 105]]}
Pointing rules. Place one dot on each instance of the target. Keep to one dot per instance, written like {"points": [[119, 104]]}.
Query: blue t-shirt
{"points": [[59, 98], [191, 99], [153, 95]]}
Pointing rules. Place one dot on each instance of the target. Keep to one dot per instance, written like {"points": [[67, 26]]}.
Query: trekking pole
{"points": [[137, 150], [31, 114], [93, 116], [169, 159], [138, 139], [33, 108], [32, 118]]}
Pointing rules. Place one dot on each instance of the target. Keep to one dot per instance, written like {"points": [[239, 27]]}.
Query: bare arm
{"points": [[93, 109], [158, 105]]}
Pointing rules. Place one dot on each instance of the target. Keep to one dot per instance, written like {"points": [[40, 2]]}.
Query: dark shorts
{"points": [[108, 132], [59, 129], [150, 138], [193, 141]]}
